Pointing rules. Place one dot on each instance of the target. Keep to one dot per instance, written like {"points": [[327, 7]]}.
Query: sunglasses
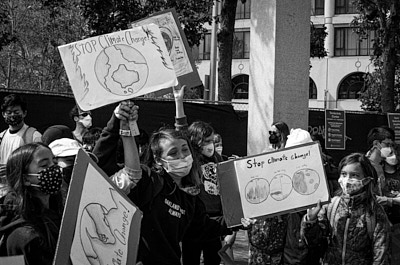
{"points": [[84, 114], [272, 132]]}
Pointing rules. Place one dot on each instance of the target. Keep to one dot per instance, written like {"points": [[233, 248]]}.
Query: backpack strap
{"points": [[2, 135], [331, 212], [28, 135]]}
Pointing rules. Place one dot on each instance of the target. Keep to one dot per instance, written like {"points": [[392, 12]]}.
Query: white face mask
{"points": [[86, 121], [219, 150], [179, 167], [208, 150], [392, 160]]}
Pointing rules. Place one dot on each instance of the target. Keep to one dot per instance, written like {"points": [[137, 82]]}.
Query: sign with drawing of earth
{"points": [[306, 181], [121, 69]]}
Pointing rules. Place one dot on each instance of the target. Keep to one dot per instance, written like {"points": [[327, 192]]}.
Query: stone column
{"points": [[329, 12], [279, 68]]}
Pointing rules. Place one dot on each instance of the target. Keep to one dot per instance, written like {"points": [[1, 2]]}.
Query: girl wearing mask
{"points": [[355, 225], [278, 135], [33, 177], [165, 191]]}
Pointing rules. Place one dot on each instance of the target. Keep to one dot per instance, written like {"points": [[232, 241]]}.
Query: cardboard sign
{"points": [[117, 66], [177, 45], [335, 129], [394, 123], [268, 184], [12, 260], [100, 224]]}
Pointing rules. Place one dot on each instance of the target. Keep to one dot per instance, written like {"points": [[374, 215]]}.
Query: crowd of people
{"points": [[177, 167]]}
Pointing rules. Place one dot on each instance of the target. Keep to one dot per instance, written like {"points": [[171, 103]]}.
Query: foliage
{"points": [[383, 18], [6, 36], [105, 16], [39, 27], [317, 41]]}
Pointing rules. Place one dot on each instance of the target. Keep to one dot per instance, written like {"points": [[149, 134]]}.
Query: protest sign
{"points": [[12, 260], [177, 45], [100, 224], [287, 180], [117, 66]]}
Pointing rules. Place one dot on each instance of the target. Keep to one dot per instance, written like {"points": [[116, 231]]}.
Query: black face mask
{"points": [[13, 120], [273, 138], [67, 173]]}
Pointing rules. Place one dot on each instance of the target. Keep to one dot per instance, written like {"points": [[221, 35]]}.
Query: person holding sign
{"points": [[354, 223], [166, 192], [33, 178]]}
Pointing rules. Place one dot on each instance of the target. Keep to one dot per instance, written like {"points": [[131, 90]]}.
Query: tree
{"points": [[383, 18], [105, 16], [32, 61]]}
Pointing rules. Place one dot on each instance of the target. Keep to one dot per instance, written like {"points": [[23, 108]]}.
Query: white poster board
{"points": [[100, 224], [273, 183], [177, 45], [113, 67]]}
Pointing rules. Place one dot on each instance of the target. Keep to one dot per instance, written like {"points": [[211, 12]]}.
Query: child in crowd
{"points": [[32, 177], [354, 223], [165, 191]]}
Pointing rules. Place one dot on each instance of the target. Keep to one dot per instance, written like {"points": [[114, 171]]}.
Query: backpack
{"points": [[27, 136], [331, 212]]}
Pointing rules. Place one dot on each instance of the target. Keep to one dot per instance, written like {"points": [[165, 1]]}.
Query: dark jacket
{"points": [[350, 241]]}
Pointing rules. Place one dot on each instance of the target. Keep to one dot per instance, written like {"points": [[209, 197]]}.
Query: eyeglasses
{"points": [[389, 144], [273, 132]]}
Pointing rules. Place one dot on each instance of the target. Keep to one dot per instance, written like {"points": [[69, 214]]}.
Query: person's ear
{"points": [[157, 160], [76, 119]]}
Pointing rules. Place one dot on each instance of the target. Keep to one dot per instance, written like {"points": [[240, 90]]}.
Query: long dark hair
{"points": [[29, 207], [283, 129], [198, 131], [369, 171], [154, 151]]}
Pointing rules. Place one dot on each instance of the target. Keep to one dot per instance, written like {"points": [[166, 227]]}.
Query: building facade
{"points": [[335, 80]]}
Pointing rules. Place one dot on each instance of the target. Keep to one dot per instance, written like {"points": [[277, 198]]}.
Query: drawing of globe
{"points": [[257, 190], [121, 69], [306, 181], [281, 187]]}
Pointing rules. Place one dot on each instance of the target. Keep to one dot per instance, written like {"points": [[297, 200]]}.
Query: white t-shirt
{"points": [[12, 141]]}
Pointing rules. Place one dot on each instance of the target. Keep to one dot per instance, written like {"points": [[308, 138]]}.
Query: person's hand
{"points": [[230, 239], [247, 222], [179, 91], [127, 111], [232, 157], [312, 213]]}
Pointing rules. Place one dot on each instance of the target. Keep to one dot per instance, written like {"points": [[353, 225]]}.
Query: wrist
{"points": [[125, 132]]}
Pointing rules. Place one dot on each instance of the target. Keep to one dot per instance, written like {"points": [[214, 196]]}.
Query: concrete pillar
{"points": [[279, 68], [329, 12]]}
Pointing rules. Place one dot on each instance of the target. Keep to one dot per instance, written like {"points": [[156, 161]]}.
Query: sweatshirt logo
{"points": [[174, 209]]}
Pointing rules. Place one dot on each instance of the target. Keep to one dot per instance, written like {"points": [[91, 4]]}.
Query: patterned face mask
{"points": [[13, 120], [351, 185], [50, 179]]}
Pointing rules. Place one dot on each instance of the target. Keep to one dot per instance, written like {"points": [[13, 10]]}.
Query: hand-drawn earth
{"points": [[306, 181], [281, 187], [257, 190], [121, 69]]}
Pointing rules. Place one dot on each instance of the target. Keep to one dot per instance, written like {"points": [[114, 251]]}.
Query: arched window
{"points": [[240, 86], [351, 86], [312, 90]]}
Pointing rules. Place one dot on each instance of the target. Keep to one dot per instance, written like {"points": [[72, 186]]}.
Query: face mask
{"points": [[273, 138], [351, 185], [50, 179], [208, 150], [392, 160], [67, 173], [385, 152], [86, 121], [13, 120], [179, 167], [219, 150]]}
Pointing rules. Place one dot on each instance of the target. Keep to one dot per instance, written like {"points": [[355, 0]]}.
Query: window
{"points": [[351, 86], [318, 7], [243, 10], [241, 45], [240, 87], [349, 43], [344, 7], [312, 90], [202, 52]]}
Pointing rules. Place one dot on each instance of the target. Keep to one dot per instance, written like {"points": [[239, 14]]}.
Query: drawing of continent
{"points": [[121, 70], [306, 181]]}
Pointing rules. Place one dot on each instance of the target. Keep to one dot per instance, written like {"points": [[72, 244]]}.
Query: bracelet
{"points": [[125, 132]]}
